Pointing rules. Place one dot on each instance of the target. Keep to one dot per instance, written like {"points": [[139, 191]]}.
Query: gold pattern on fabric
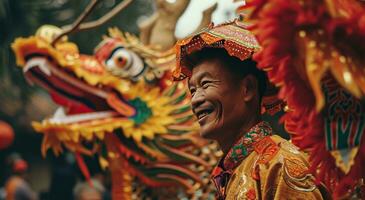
{"points": [[295, 168], [267, 149], [272, 180], [286, 145]]}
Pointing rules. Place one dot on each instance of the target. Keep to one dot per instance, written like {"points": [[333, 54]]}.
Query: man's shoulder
{"points": [[293, 162], [274, 154], [272, 150], [279, 167], [286, 146], [273, 158]]}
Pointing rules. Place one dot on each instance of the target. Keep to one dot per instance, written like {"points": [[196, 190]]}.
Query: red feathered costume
{"points": [[314, 50]]}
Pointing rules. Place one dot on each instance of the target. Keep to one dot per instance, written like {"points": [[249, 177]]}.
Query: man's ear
{"points": [[249, 87]]}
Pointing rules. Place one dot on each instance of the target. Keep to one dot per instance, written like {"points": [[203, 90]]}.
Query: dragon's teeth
{"points": [[41, 63], [60, 112], [66, 119]]}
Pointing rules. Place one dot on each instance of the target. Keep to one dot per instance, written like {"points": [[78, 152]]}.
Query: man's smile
{"points": [[203, 111]]}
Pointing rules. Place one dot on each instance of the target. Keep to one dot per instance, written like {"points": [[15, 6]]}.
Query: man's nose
{"points": [[197, 99]]}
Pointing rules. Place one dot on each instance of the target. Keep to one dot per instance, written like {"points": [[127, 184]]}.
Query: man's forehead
{"points": [[200, 74], [205, 69]]}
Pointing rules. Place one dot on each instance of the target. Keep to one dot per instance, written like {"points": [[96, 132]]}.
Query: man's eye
{"points": [[205, 84], [192, 91]]}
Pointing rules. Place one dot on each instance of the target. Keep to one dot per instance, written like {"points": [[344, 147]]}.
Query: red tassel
{"points": [[83, 168]]}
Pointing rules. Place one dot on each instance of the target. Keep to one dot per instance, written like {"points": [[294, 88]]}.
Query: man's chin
{"points": [[210, 128], [209, 133]]}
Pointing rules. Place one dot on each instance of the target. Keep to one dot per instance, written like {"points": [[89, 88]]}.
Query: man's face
{"points": [[217, 100]]}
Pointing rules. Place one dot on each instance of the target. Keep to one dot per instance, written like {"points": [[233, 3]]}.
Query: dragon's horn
{"points": [[78, 25]]}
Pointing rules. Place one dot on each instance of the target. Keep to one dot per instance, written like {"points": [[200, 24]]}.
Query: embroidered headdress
{"points": [[232, 36], [237, 40]]}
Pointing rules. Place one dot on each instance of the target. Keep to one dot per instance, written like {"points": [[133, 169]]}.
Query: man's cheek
{"points": [[219, 118]]}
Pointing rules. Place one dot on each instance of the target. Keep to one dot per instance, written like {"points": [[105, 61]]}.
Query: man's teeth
{"points": [[203, 114], [41, 63]]}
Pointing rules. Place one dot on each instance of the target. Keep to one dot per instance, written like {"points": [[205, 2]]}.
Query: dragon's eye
{"points": [[122, 62]]}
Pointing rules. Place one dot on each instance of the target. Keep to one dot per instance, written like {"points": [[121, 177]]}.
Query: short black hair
{"points": [[240, 69]]}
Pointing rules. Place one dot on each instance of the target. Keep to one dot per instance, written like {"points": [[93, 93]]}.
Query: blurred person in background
{"points": [[92, 190], [16, 186]]}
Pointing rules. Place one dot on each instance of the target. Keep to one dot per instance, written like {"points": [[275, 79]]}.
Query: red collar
{"points": [[244, 146]]}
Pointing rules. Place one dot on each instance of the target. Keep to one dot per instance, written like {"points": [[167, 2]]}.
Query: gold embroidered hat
{"points": [[232, 36], [237, 41]]}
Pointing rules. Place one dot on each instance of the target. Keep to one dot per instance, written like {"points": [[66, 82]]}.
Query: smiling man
{"points": [[227, 93]]}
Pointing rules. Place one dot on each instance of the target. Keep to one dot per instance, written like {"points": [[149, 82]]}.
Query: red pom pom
{"points": [[20, 166], [6, 135]]}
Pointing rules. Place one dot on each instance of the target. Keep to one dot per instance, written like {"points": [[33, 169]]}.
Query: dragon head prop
{"points": [[314, 51], [119, 104]]}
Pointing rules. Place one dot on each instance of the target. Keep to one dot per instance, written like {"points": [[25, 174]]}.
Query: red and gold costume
{"points": [[264, 166], [314, 51], [259, 165]]}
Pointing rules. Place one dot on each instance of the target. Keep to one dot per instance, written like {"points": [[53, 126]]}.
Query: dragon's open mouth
{"points": [[80, 101]]}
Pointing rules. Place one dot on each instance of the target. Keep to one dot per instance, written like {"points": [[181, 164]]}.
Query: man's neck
{"points": [[227, 142]]}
